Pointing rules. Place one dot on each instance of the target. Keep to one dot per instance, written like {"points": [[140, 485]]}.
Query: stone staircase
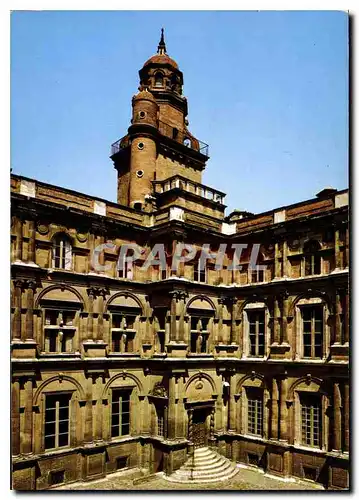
{"points": [[207, 466]]}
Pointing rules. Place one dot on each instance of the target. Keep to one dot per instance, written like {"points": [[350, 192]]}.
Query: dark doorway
{"points": [[199, 430]]}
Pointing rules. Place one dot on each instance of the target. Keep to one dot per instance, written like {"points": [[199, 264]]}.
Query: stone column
{"points": [[172, 408], [99, 409], [16, 329], [91, 243], [274, 410], [338, 323], [190, 425], [285, 259], [221, 302], [346, 416], [15, 417], [337, 441], [347, 247], [284, 329], [173, 321], [91, 295], [19, 239], [31, 244], [230, 302], [276, 322], [29, 333], [88, 434], [346, 317], [337, 249], [232, 405], [101, 296], [181, 326], [283, 409], [277, 273], [27, 431]]}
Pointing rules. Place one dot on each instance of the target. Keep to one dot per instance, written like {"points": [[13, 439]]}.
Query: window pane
{"points": [[63, 439], [125, 429], [50, 428], [49, 442]]}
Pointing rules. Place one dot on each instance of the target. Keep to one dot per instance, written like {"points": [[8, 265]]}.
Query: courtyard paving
{"points": [[245, 479]]}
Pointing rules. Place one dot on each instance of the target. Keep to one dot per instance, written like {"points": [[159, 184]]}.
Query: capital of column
{"points": [[19, 283], [178, 294]]}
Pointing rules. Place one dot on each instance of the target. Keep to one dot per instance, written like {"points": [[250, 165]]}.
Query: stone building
{"points": [[133, 368]]}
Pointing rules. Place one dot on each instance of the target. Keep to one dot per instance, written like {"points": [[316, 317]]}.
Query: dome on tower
{"points": [[161, 58], [144, 94]]}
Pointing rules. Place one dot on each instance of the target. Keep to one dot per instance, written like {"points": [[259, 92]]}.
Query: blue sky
{"points": [[268, 91]]}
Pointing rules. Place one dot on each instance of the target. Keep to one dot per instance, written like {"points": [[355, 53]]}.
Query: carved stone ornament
{"points": [[199, 386], [42, 228], [159, 390], [294, 244], [82, 237]]}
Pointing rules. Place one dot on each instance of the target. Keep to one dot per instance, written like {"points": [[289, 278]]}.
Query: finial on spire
{"points": [[161, 46]]}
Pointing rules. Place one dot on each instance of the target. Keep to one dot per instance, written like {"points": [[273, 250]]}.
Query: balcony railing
{"points": [[183, 138], [179, 182], [172, 133]]}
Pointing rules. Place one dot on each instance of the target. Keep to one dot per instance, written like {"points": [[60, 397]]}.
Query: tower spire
{"points": [[161, 49]]}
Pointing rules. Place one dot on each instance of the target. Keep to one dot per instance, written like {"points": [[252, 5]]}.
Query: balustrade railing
{"points": [[172, 133], [179, 182]]}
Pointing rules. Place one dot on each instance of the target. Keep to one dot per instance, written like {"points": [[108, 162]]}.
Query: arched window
{"points": [[312, 258], [158, 80], [62, 252]]}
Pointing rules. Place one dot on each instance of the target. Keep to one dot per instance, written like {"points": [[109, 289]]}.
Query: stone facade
{"points": [[114, 369]]}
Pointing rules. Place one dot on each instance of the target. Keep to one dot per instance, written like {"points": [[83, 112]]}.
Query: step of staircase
{"points": [[206, 466]]}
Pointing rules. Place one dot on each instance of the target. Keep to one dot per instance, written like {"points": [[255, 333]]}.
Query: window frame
{"points": [[200, 275], [52, 332], [304, 309], [248, 312], [309, 398], [117, 332], [121, 391], [312, 259], [68, 395], [62, 244], [255, 394]]}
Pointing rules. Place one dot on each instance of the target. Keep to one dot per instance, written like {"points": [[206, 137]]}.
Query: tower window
{"points": [[140, 145], [142, 114], [139, 173], [187, 142], [158, 80]]}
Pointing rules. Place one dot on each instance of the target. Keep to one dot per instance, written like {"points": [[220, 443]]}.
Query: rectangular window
{"points": [[256, 321], [122, 332], [310, 415], [255, 412], [57, 420], [62, 253], [160, 422], [200, 272], [126, 269], [60, 330], [199, 334], [312, 318], [257, 275], [120, 413]]}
